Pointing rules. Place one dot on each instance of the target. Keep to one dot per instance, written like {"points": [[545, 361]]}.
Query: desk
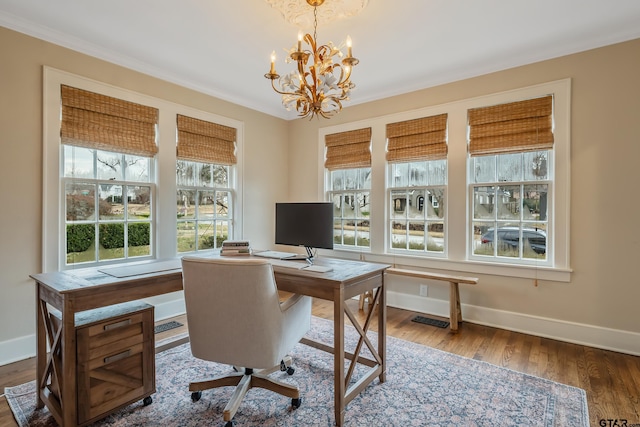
{"points": [[72, 291]]}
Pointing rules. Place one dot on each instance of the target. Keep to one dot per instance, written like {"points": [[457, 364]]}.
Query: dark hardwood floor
{"points": [[611, 380]]}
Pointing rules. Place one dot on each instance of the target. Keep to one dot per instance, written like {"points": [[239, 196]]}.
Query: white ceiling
{"points": [[222, 47]]}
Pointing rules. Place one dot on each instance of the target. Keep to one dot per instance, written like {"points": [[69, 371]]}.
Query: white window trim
{"points": [[458, 207], [164, 169]]}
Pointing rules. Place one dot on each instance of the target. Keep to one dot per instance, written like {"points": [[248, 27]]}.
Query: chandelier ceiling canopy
{"points": [[318, 85]]}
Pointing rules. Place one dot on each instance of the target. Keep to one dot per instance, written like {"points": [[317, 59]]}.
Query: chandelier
{"points": [[315, 88]]}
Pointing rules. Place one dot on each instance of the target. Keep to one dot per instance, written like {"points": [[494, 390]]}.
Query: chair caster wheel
{"points": [[147, 401], [195, 396], [295, 403], [290, 370]]}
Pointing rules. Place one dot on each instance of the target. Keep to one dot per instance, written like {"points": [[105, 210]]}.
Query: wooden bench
{"points": [[455, 313]]}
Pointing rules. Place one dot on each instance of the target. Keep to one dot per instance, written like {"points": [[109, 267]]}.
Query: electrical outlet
{"points": [[424, 290]]}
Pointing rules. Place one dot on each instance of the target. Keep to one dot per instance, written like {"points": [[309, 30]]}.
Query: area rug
{"points": [[424, 387]]}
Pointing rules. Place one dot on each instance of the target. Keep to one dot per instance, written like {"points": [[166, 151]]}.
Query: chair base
{"points": [[243, 382]]}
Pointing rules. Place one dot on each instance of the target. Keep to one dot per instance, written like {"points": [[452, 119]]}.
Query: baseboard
{"points": [[25, 347], [593, 336], [577, 333]]}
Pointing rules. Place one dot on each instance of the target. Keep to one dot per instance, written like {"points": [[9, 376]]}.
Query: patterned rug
{"points": [[424, 387]]}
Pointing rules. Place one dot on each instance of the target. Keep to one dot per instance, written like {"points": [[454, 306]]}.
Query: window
{"points": [[510, 189], [204, 177], [348, 160], [417, 179], [463, 193], [109, 188], [108, 146], [204, 208]]}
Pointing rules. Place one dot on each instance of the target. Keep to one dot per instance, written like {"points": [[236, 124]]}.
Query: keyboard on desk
{"points": [[275, 254], [288, 264]]}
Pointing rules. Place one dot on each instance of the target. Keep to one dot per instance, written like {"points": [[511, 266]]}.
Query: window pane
{"points": [[399, 234], [111, 205], [437, 172], [510, 167], [417, 174], [534, 242], [337, 180], [223, 200], [206, 235], [185, 173], [111, 238], [222, 232], [398, 204], [81, 240], [221, 176], [483, 202], [483, 238], [109, 165], [364, 206], [80, 201], [362, 234], [435, 241], [78, 162], [416, 236], [186, 236], [337, 232], [137, 168], [349, 205], [416, 204], [364, 181], [399, 175], [535, 165], [508, 240], [435, 203], [203, 171], [186, 200], [139, 239], [535, 202], [337, 205], [206, 205], [484, 169], [508, 201], [138, 202], [350, 179]]}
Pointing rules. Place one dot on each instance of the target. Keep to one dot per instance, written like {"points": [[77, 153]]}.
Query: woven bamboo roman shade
{"points": [[98, 121], [207, 142], [418, 139], [347, 150], [513, 127]]}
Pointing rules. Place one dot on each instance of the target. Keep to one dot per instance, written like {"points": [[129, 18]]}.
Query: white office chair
{"points": [[235, 317]]}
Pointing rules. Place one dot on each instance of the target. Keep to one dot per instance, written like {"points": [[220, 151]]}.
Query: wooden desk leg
{"points": [[68, 384], [340, 388], [41, 346], [382, 330], [455, 312]]}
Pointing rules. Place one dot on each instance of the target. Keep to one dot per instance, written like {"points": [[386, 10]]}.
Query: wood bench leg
{"points": [[455, 312]]}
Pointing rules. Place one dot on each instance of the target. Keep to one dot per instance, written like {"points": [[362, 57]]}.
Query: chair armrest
{"points": [[289, 302]]}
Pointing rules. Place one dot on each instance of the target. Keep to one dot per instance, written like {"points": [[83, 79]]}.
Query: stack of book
{"points": [[235, 247]]}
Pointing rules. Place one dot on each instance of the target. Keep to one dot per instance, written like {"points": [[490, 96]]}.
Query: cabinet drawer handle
{"points": [[120, 324], [117, 356]]}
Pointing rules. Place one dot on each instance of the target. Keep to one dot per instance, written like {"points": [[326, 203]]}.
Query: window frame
{"points": [[164, 167]]}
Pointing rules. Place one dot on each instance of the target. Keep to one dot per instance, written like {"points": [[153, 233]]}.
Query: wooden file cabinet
{"points": [[115, 359]]}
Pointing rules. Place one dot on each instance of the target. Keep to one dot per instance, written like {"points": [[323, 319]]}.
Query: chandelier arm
{"points": [[282, 92]]}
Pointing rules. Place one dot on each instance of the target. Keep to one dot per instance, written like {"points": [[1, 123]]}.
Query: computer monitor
{"points": [[307, 224]]}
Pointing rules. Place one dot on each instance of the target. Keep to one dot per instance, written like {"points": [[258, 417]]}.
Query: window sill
{"points": [[554, 274]]}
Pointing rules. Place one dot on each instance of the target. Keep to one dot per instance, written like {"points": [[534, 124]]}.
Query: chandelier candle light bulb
{"points": [[315, 89]]}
